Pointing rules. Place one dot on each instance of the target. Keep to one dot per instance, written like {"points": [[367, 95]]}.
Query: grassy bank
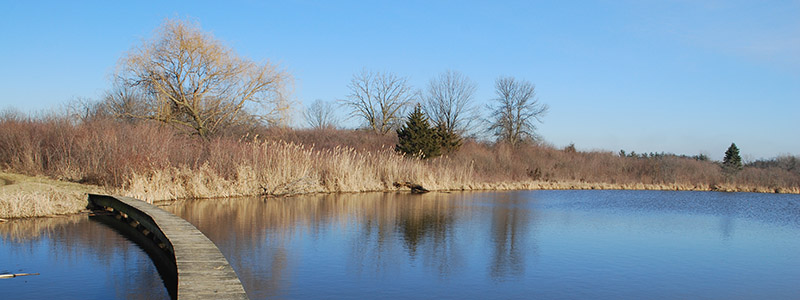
{"points": [[26, 196], [153, 162]]}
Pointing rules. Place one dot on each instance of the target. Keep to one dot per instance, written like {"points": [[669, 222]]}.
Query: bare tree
{"points": [[124, 103], [186, 78], [380, 99], [321, 115], [517, 108], [83, 110], [448, 101]]}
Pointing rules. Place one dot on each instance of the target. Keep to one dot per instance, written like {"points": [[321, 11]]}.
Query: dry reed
{"points": [[25, 196], [153, 162]]}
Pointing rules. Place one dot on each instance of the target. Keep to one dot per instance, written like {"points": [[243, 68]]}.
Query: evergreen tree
{"points": [[449, 140], [417, 138], [732, 161]]}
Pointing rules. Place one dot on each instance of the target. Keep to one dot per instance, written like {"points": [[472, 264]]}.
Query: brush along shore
{"points": [[152, 162], [24, 196]]}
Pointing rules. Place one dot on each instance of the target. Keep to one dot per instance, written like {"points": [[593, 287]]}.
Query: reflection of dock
{"points": [[202, 270]]}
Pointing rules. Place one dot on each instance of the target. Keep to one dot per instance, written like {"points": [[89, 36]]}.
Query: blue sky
{"points": [[686, 77]]}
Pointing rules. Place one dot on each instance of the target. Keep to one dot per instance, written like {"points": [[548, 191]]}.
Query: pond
{"points": [[76, 259], [506, 245]]}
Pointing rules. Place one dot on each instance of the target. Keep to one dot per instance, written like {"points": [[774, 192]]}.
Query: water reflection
{"points": [[553, 244], [510, 245], [726, 209], [380, 233], [76, 259], [428, 231], [510, 225]]}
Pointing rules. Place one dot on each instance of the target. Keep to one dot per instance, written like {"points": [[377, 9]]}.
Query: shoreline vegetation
{"points": [[50, 163]]}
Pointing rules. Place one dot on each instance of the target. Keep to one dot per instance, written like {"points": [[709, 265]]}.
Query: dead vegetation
{"points": [[25, 196], [153, 162]]}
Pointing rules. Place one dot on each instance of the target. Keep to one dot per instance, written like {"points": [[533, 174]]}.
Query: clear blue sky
{"points": [[686, 77]]}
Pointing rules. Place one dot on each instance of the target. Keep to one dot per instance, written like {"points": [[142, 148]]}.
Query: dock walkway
{"points": [[202, 270]]}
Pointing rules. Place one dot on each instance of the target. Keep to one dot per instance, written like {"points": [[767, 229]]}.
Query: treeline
{"points": [[185, 78], [633, 154], [784, 162]]}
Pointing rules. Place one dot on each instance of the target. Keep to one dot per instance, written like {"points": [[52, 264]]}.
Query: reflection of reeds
{"points": [[262, 229], [283, 214], [379, 230], [22, 230], [71, 239], [73, 234]]}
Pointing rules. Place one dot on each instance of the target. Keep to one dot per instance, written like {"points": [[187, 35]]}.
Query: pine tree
{"points": [[417, 138], [732, 161], [449, 140]]}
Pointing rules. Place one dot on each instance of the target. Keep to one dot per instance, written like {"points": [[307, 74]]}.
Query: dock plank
{"points": [[203, 272]]}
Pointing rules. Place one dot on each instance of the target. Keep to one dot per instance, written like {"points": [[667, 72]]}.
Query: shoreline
{"points": [[24, 196], [568, 185]]}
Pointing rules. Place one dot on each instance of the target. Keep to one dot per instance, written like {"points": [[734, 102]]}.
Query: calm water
{"points": [[77, 259], [510, 245], [498, 245]]}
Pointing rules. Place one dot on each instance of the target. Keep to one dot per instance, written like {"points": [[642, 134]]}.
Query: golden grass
{"points": [[280, 168], [25, 196]]}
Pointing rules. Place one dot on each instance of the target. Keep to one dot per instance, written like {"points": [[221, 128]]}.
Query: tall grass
{"points": [[281, 168], [150, 161], [39, 203]]}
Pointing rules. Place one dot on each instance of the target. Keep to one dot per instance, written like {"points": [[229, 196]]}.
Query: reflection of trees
{"points": [[373, 246], [427, 229], [726, 208], [509, 234], [254, 233], [239, 227], [381, 233], [422, 224], [415, 227], [74, 238]]}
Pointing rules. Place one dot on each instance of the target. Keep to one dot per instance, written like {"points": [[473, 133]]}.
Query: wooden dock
{"points": [[202, 270]]}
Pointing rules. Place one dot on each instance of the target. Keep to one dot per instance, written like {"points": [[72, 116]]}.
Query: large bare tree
{"points": [[187, 78], [379, 98], [516, 110], [320, 115], [448, 101]]}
